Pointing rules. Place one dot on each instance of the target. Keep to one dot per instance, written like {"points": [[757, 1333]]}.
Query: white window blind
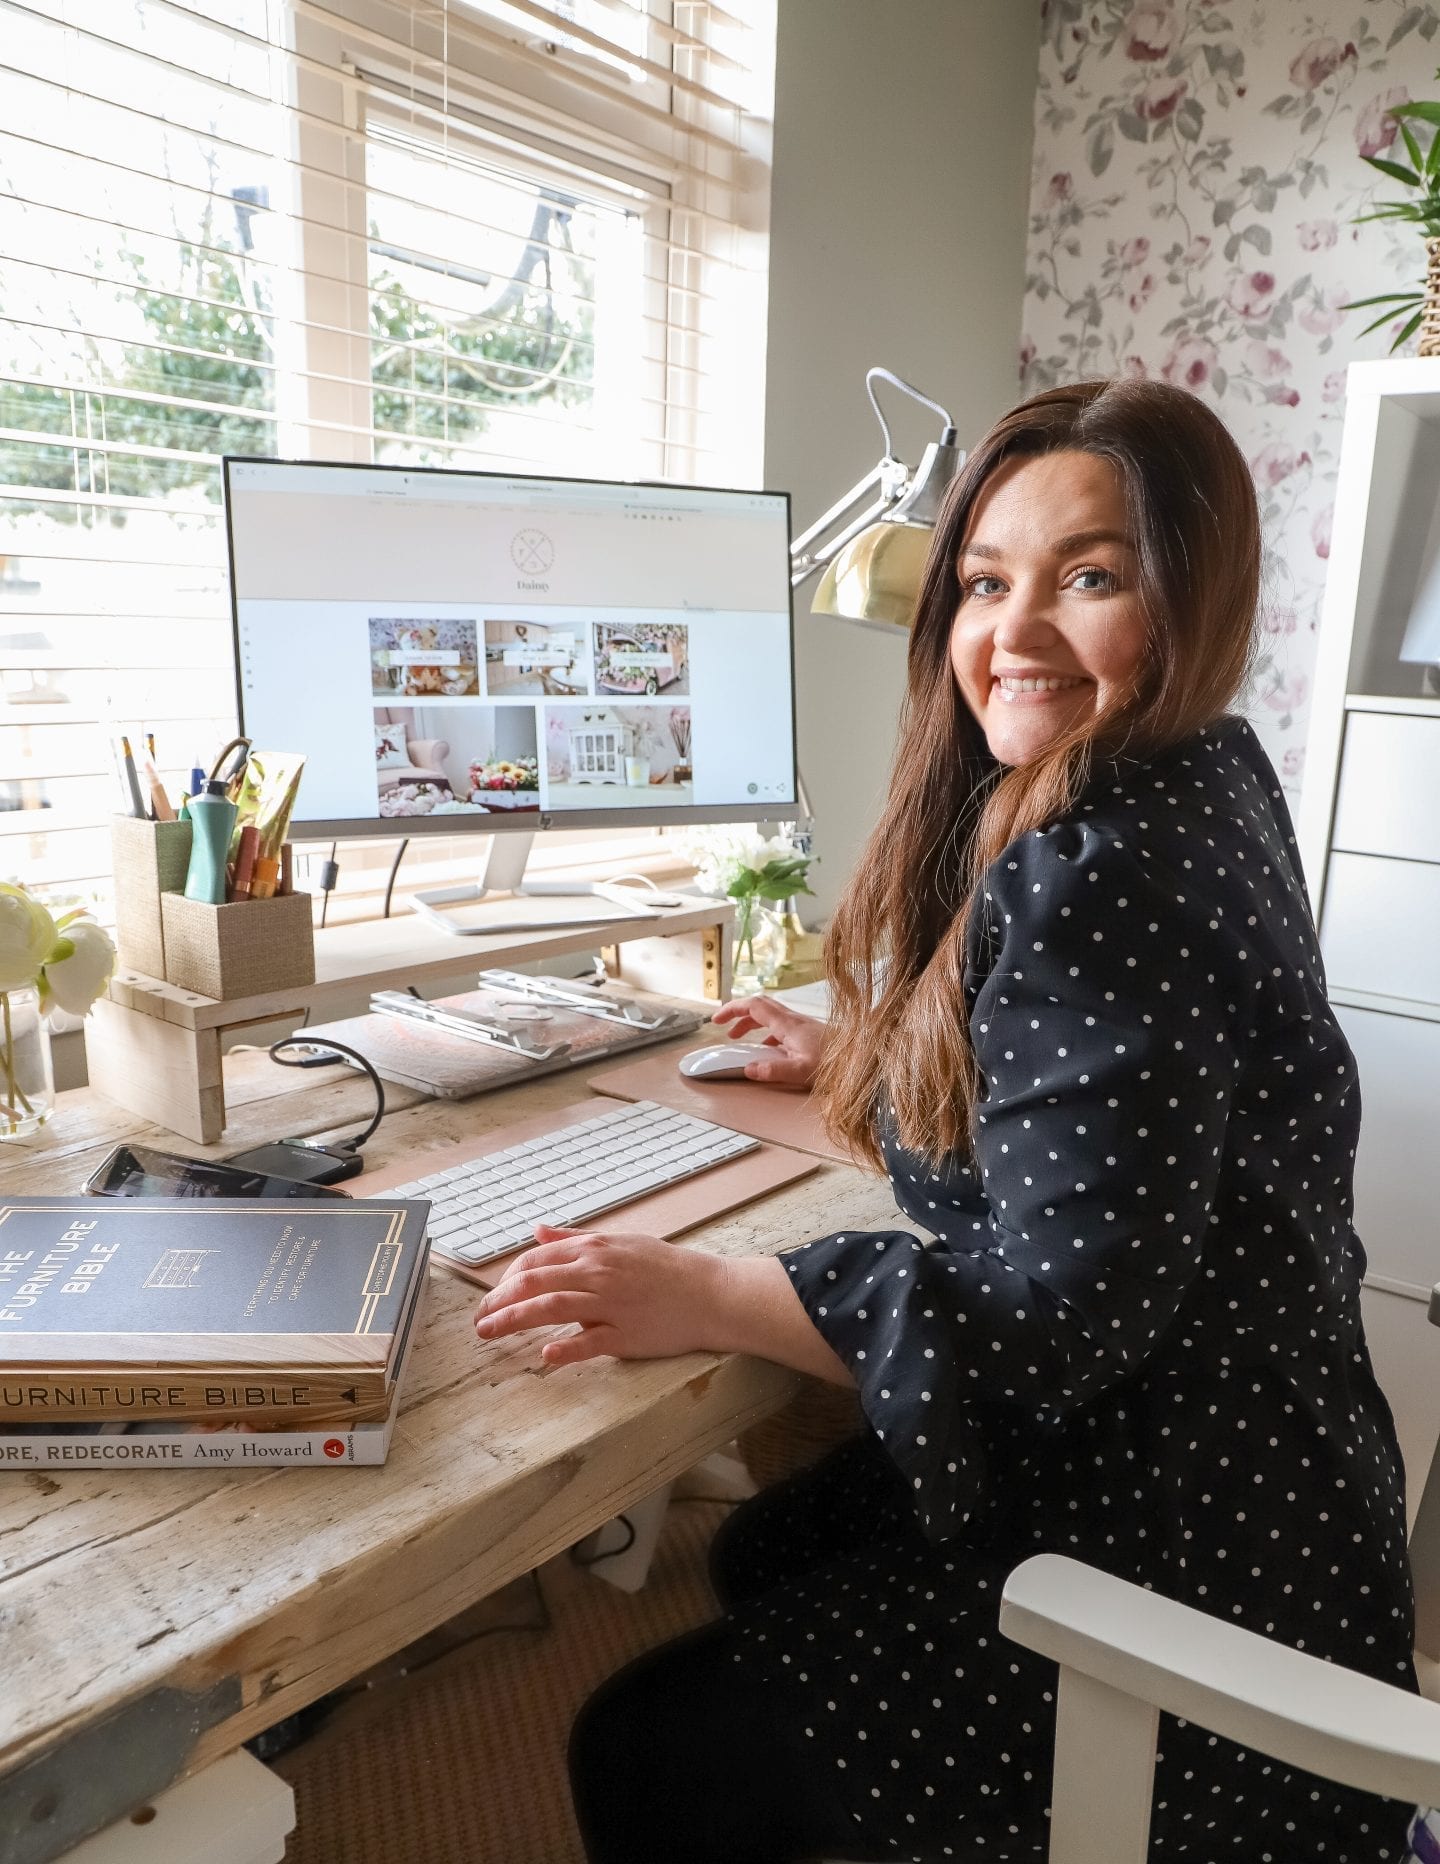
{"points": [[523, 234]]}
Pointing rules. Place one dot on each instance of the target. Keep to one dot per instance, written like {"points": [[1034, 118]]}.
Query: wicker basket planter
{"points": [[1430, 311]]}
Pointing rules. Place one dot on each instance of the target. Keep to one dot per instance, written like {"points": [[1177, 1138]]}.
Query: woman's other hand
{"points": [[792, 1045], [638, 1297], [633, 1296]]}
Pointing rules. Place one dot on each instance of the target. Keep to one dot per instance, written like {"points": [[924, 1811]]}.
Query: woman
{"points": [[1080, 1019]]}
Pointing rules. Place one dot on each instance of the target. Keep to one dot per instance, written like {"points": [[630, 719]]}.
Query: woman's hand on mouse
{"points": [[792, 1046]]}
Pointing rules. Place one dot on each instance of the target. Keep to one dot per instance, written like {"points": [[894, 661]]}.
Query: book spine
{"points": [[297, 1398], [196, 1449]]}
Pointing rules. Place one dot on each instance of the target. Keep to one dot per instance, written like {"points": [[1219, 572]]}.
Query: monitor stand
{"points": [[507, 902]]}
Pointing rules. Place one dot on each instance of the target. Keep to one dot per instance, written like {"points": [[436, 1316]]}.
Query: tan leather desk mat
{"points": [[668, 1213], [779, 1114]]}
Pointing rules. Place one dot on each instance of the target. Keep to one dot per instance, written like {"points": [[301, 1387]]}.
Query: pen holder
{"points": [[242, 950], [150, 859]]}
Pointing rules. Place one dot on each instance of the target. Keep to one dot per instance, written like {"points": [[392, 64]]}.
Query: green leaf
{"points": [[1424, 112], [1407, 332], [1384, 297], [1412, 148], [1395, 170], [1384, 318], [64, 948]]}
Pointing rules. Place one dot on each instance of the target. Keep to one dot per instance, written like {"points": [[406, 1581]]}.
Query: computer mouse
{"points": [[721, 1059]]}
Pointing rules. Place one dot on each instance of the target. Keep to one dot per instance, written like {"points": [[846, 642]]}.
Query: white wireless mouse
{"points": [[721, 1059]]}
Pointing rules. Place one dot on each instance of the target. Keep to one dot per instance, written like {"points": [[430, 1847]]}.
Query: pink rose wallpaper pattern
{"points": [[1197, 170]]}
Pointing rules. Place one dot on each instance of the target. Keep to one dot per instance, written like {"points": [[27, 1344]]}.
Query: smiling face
{"points": [[1050, 629]]}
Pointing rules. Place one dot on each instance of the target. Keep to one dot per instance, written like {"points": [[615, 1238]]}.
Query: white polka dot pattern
{"points": [[1126, 1328]]}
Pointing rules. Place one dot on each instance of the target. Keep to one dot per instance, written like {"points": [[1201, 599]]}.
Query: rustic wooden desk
{"points": [[150, 1623]]}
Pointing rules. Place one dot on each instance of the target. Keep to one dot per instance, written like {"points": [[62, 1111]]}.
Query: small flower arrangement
{"points": [[45, 965], [512, 773], [748, 868]]}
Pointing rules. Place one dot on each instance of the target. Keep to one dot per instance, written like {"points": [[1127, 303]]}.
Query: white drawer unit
{"points": [[1397, 1166], [1380, 927], [1388, 800], [1369, 819]]}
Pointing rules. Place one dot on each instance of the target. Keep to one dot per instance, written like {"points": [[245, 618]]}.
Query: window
{"points": [[519, 233]]}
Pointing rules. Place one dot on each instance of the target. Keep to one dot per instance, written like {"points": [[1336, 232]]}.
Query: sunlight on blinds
{"points": [[522, 234]]}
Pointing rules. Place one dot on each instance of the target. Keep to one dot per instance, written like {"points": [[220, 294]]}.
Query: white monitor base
{"points": [[510, 903]]}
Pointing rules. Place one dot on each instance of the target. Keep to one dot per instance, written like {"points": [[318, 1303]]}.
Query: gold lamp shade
{"points": [[876, 577]]}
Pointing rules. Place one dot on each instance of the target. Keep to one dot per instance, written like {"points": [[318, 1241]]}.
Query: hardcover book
{"points": [[201, 1444], [178, 1308]]}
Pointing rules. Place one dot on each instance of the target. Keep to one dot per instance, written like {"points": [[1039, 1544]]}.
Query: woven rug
{"points": [[453, 1752]]}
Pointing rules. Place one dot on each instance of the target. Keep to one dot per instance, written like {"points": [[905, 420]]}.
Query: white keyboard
{"points": [[489, 1204]]}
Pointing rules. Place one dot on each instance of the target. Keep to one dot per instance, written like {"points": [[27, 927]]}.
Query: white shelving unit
{"points": [[1369, 821]]}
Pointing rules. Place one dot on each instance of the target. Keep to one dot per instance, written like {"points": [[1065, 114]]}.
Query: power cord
{"points": [[329, 874], [319, 1054], [394, 870], [610, 1553]]}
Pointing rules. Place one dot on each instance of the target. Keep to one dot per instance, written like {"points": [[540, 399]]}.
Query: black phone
{"points": [[140, 1171]]}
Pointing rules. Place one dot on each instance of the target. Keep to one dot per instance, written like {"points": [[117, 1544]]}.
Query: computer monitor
{"points": [[500, 653]]}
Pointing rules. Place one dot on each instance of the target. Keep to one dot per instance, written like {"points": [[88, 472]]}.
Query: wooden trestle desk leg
{"points": [[160, 1070]]}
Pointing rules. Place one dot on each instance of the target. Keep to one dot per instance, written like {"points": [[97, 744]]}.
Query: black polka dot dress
{"points": [[1126, 1329]]}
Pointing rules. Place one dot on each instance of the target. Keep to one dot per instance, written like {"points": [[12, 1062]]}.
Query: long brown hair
{"points": [[895, 951]]}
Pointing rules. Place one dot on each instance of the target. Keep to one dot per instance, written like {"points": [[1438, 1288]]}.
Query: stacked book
{"points": [[145, 1333]]}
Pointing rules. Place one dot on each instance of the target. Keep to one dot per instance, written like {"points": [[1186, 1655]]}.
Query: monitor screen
{"points": [[454, 649]]}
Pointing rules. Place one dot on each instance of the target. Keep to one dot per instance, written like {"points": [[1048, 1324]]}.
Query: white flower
{"points": [[75, 981], [719, 854], [27, 937]]}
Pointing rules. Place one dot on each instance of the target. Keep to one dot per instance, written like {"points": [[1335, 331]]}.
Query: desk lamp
{"points": [[873, 561]]}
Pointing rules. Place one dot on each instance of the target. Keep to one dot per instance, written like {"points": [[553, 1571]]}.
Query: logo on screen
{"points": [[532, 552]]}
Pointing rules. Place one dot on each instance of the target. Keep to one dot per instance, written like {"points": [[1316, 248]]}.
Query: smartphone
{"points": [[140, 1171]]}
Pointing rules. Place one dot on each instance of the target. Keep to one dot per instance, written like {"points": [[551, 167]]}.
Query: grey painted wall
{"points": [[901, 186]]}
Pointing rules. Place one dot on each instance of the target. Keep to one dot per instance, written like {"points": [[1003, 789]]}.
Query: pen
{"points": [[132, 780]]}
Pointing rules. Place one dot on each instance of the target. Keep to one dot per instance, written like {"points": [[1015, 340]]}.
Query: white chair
{"points": [[1125, 1654]]}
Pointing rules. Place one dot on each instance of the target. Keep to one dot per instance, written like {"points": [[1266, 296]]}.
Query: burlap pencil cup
{"points": [[150, 859], [242, 950]]}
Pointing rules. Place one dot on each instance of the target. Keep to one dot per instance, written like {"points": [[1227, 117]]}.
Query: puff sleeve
{"points": [[1108, 1031]]}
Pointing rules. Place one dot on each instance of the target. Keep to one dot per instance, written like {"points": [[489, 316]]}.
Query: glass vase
{"points": [[27, 1078], [759, 946]]}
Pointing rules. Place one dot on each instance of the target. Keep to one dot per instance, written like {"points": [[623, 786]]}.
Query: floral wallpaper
{"points": [[1196, 177]]}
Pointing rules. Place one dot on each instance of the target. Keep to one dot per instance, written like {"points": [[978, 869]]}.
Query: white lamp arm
{"points": [[1296, 1708]]}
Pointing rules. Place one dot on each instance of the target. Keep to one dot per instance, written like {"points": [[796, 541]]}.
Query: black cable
{"points": [[319, 1054], [329, 874], [610, 1553], [394, 870]]}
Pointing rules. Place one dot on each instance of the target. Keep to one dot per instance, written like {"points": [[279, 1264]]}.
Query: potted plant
{"points": [[1421, 174]]}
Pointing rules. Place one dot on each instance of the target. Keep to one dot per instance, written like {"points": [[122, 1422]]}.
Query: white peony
{"points": [[27, 937], [75, 979], [719, 854]]}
